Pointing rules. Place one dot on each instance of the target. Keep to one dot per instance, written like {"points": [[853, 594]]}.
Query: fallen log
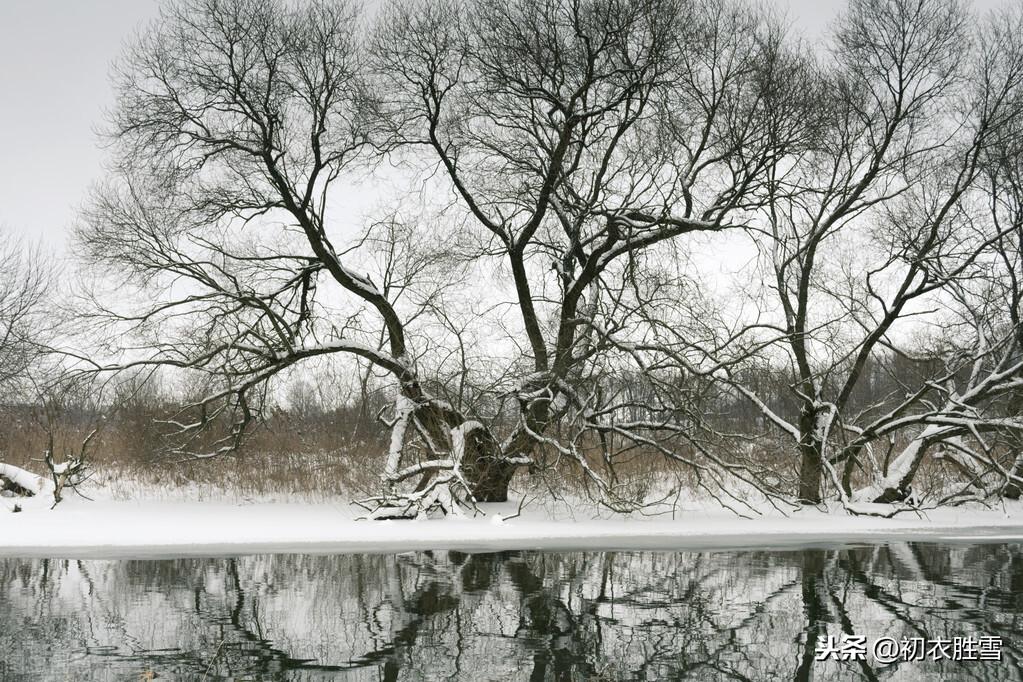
{"points": [[19, 482]]}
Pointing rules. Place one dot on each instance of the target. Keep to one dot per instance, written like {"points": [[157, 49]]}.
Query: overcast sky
{"points": [[54, 86]]}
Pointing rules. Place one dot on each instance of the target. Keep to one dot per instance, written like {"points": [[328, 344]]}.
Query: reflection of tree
{"points": [[517, 615]]}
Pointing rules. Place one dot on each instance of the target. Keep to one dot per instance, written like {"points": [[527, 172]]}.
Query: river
{"points": [[952, 611]]}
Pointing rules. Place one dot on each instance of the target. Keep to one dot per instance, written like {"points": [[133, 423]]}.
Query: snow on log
{"points": [[893, 486], [19, 481]]}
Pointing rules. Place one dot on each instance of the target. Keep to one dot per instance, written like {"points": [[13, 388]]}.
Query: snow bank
{"points": [[113, 529]]}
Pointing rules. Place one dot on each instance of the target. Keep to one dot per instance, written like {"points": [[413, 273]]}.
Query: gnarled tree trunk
{"points": [[487, 470]]}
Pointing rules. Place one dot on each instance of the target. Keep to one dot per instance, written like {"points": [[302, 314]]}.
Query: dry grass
{"points": [[321, 457], [338, 455]]}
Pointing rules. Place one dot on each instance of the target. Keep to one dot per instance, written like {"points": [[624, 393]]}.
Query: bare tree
{"points": [[251, 112], [876, 224], [70, 415], [576, 138], [582, 139], [970, 409]]}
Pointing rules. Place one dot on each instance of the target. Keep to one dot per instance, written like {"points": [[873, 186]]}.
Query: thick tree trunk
{"points": [[488, 467], [810, 466], [457, 460], [847, 472], [492, 483], [810, 473], [485, 467]]}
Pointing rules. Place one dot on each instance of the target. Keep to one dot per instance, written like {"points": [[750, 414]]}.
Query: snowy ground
{"points": [[163, 526]]}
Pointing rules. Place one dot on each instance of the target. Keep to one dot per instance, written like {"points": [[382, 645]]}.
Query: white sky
{"points": [[54, 87], [54, 61]]}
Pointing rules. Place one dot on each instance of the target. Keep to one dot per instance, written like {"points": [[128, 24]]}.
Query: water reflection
{"points": [[752, 615]]}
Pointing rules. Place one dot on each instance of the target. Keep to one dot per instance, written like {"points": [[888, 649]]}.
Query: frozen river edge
{"points": [[168, 529]]}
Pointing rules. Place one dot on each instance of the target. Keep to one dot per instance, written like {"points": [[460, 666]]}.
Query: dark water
{"points": [[743, 615]]}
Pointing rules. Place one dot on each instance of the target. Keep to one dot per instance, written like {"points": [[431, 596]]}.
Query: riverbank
{"points": [[164, 528]]}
